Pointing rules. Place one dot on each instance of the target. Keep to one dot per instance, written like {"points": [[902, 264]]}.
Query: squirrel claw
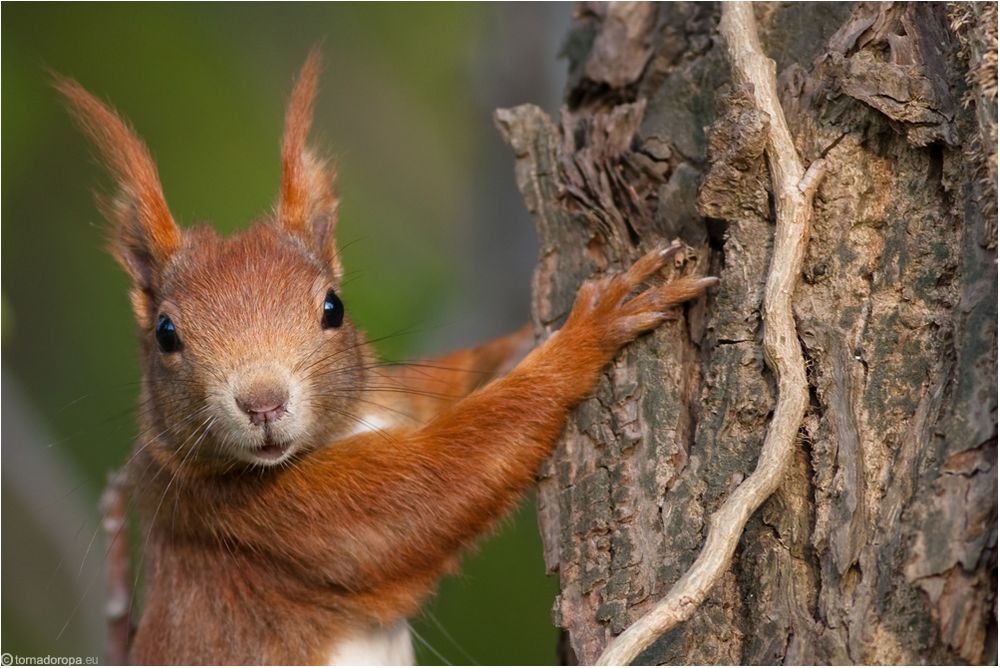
{"points": [[671, 250]]}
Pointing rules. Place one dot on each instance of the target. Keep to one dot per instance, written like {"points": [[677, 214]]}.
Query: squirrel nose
{"points": [[264, 406]]}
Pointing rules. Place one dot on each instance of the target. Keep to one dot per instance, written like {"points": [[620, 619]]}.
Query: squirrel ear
{"points": [[308, 202], [144, 234]]}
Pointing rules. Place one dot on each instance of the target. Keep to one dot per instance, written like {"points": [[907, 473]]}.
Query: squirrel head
{"points": [[247, 353]]}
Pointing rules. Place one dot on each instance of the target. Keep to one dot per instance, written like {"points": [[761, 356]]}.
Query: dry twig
{"points": [[114, 510], [793, 189]]}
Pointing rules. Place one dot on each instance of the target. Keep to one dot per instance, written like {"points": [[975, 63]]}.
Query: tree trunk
{"points": [[880, 544]]}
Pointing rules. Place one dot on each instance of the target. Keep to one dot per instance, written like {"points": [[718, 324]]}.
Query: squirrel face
{"points": [[247, 348], [247, 356]]}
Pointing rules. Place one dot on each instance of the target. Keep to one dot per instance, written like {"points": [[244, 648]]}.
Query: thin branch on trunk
{"points": [[118, 581], [794, 189]]}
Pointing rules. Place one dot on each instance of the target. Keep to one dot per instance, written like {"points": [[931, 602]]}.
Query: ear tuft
{"points": [[308, 202], [144, 234]]}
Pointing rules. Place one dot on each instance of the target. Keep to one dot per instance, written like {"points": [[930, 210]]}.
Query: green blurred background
{"points": [[433, 226]]}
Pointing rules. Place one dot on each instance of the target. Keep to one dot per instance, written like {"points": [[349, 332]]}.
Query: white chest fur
{"points": [[377, 646], [371, 422]]}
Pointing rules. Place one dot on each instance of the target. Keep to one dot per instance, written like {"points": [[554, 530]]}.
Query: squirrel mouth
{"points": [[271, 451]]}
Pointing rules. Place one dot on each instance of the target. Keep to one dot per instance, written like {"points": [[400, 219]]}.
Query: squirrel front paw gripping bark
{"points": [[298, 500]]}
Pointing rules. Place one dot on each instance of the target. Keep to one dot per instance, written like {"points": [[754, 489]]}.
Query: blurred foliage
{"points": [[205, 86]]}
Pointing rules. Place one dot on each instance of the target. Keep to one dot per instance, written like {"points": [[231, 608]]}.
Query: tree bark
{"points": [[880, 543]]}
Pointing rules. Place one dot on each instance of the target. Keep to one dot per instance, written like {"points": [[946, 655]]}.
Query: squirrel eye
{"points": [[333, 310], [166, 335]]}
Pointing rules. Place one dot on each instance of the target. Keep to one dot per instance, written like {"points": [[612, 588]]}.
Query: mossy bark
{"points": [[880, 545]]}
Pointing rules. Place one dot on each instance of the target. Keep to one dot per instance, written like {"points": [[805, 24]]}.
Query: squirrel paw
{"points": [[604, 304]]}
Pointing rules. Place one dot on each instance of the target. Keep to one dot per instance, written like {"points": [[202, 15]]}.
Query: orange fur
{"points": [[145, 234], [307, 205], [255, 559], [420, 390]]}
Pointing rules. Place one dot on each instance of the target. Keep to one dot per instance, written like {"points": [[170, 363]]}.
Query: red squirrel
{"points": [[298, 500]]}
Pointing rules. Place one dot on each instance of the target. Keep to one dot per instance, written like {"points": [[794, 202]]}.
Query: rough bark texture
{"points": [[880, 546]]}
